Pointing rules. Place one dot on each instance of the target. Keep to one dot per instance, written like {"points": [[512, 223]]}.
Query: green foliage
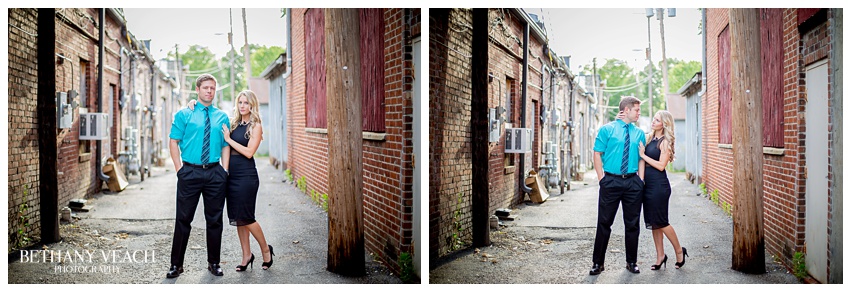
{"points": [[799, 265], [201, 60], [455, 239], [302, 184], [262, 57], [702, 187], [727, 208], [714, 197], [288, 174], [20, 237], [681, 72], [324, 202], [406, 265]]}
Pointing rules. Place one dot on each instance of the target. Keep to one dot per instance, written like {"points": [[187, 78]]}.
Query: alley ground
{"points": [[134, 228], [553, 242]]}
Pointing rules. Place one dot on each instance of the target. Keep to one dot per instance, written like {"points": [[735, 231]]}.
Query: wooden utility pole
{"points": [[748, 237], [479, 132], [661, 15], [48, 188], [345, 142], [246, 52]]}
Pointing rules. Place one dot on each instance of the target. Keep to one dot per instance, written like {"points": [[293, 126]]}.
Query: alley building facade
{"points": [[802, 121], [66, 63], [523, 84], [388, 40]]}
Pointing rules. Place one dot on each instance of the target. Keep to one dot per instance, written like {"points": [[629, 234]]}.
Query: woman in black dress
{"points": [[243, 181], [657, 189]]}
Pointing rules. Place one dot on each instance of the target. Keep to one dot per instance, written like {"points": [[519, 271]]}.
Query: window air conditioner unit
{"points": [[518, 140], [93, 126]]}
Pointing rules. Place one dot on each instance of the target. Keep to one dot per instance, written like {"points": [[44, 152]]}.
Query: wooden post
{"points": [[479, 123], [748, 237], [345, 142], [48, 186]]}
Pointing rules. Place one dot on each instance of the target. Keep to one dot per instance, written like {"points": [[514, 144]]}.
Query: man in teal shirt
{"points": [[200, 155], [620, 171]]}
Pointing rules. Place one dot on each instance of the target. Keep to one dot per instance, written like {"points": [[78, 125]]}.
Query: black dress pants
{"points": [[192, 183], [616, 190]]}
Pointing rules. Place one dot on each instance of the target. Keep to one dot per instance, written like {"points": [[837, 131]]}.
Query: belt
{"points": [[628, 175], [204, 166]]}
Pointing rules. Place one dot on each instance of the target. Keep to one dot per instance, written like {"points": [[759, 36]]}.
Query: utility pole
{"points": [[649, 66], [746, 90], [345, 142], [246, 51], [661, 17], [230, 54], [479, 129]]}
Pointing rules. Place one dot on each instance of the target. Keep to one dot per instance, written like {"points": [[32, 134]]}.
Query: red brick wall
{"points": [[76, 170], [22, 125], [505, 59], [783, 179], [450, 164], [387, 168]]}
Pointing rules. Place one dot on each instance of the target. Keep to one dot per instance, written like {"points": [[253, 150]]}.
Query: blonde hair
{"points": [[253, 112], [667, 130]]}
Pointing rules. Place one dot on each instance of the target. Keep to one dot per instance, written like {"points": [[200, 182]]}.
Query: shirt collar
{"points": [[202, 107], [621, 123]]}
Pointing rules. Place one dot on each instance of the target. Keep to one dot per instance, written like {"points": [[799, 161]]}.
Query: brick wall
{"points": [[387, 168], [22, 125], [783, 175], [76, 41], [450, 164]]}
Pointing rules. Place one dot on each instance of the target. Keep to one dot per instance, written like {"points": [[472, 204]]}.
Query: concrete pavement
{"points": [[141, 218], [553, 242]]}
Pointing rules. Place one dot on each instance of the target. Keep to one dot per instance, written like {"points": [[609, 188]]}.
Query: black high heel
{"points": [[659, 266], [266, 265], [680, 264], [245, 267]]}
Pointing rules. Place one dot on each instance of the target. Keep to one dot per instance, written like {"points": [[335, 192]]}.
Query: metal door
{"points": [[816, 165]]}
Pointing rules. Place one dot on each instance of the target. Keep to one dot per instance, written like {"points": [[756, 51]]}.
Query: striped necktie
{"points": [[625, 161], [205, 149]]}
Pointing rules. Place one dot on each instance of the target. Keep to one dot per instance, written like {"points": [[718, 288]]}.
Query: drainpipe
{"points": [[102, 23], [703, 53], [523, 104], [288, 72], [289, 45]]}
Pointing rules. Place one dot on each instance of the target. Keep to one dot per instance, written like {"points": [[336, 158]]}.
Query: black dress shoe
{"points": [[174, 272], [596, 269], [632, 268], [216, 270]]}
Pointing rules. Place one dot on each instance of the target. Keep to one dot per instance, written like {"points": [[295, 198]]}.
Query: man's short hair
{"points": [[204, 77], [628, 101]]}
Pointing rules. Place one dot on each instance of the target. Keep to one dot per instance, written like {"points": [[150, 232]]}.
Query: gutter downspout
{"points": [[289, 45], [102, 23], [523, 106], [703, 53]]}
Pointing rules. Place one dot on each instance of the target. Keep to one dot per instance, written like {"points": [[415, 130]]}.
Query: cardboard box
{"points": [[538, 193], [117, 182]]}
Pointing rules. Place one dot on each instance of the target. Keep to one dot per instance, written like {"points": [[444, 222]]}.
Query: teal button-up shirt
{"points": [[609, 142], [188, 128]]}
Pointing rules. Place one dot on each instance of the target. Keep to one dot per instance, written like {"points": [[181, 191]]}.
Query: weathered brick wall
{"points": [[76, 40], [23, 154], [505, 61], [784, 181], [387, 164], [450, 165]]}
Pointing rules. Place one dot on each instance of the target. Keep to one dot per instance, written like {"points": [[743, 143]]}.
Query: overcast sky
{"points": [[199, 27], [585, 33]]}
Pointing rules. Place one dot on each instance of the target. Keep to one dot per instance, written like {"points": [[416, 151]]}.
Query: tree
{"points": [[201, 60], [262, 56], [681, 72], [620, 81]]}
